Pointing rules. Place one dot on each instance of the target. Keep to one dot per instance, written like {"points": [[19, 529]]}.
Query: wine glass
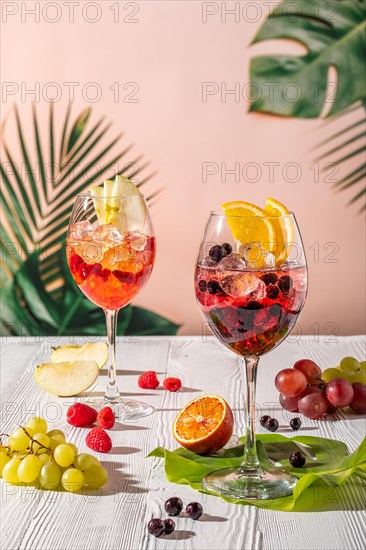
{"points": [[110, 250], [250, 295]]}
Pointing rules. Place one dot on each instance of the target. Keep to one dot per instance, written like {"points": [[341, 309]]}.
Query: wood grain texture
{"points": [[116, 517]]}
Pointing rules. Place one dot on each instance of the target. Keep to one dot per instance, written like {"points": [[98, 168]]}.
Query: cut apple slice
{"points": [[113, 205], [66, 379], [89, 352], [106, 203]]}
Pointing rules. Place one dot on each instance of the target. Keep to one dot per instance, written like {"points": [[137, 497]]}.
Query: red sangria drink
{"points": [[108, 267], [249, 310], [250, 284], [110, 250]]}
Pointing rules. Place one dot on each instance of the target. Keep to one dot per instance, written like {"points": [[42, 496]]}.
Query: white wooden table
{"points": [[137, 488]]}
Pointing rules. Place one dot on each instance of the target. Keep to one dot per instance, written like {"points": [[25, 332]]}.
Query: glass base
{"points": [[256, 484], [127, 410]]}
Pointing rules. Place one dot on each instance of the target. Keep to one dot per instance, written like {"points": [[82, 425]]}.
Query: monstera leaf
{"points": [[39, 184], [334, 34]]}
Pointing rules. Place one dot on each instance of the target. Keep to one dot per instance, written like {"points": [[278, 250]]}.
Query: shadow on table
{"points": [[133, 426], [135, 395], [179, 535], [121, 482], [125, 450], [126, 372], [285, 429], [94, 394], [167, 410], [209, 518], [91, 394]]}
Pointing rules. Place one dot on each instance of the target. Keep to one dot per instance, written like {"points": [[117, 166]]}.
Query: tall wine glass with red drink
{"points": [[250, 284], [111, 252]]}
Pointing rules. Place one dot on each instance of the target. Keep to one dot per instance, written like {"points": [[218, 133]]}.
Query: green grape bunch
{"points": [[33, 455]]}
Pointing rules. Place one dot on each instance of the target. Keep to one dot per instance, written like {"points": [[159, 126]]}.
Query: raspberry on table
{"points": [[106, 418], [172, 384], [148, 380], [98, 440], [81, 415]]}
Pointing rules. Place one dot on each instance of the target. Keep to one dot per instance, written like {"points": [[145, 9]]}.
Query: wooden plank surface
{"points": [[117, 517]]}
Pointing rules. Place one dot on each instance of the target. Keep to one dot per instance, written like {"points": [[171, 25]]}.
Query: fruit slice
{"points": [[66, 379], [204, 425], [113, 205], [245, 230], [89, 352], [108, 203], [283, 228], [134, 210]]}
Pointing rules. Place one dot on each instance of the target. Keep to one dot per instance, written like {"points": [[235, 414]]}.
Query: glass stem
{"points": [[112, 393], [250, 461]]}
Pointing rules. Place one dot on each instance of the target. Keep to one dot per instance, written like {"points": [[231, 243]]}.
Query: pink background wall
{"points": [[169, 52]]}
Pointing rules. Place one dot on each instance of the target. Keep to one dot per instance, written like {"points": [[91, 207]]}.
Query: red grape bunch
{"points": [[306, 389]]}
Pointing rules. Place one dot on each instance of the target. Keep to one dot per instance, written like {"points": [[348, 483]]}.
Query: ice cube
{"points": [[138, 241], [91, 251], [244, 284], [256, 255], [232, 262], [117, 254], [208, 262], [108, 235], [80, 230]]}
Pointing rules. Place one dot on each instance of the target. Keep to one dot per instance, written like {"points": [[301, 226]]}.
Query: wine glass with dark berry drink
{"points": [[251, 284]]}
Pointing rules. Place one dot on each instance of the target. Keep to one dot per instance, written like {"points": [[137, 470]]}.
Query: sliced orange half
{"points": [[248, 224], [283, 228], [204, 425]]}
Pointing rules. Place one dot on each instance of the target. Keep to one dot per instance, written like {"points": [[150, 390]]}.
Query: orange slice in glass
{"points": [[250, 226], [283, 228], [204, 425]]}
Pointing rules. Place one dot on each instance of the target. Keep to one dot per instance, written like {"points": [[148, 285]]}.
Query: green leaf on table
{"points": [[334, 35], [331, 467]]}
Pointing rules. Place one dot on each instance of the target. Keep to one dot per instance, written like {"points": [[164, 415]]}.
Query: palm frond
{"points": [[63, 136], [37, 204], [353, 145], [39, 295]]}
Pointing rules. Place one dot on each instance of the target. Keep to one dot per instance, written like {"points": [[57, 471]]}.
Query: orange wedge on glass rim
{"points": [[204, 425], [275, 236], [247, 231], [283, 227]]}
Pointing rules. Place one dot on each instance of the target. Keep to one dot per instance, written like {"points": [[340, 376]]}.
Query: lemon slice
{"points": [[67, 378], [89, 352], [283, 227], [250, 225], [117, 208]]}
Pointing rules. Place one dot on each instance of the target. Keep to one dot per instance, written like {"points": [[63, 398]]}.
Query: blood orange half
{"points": [[204, 425]]}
